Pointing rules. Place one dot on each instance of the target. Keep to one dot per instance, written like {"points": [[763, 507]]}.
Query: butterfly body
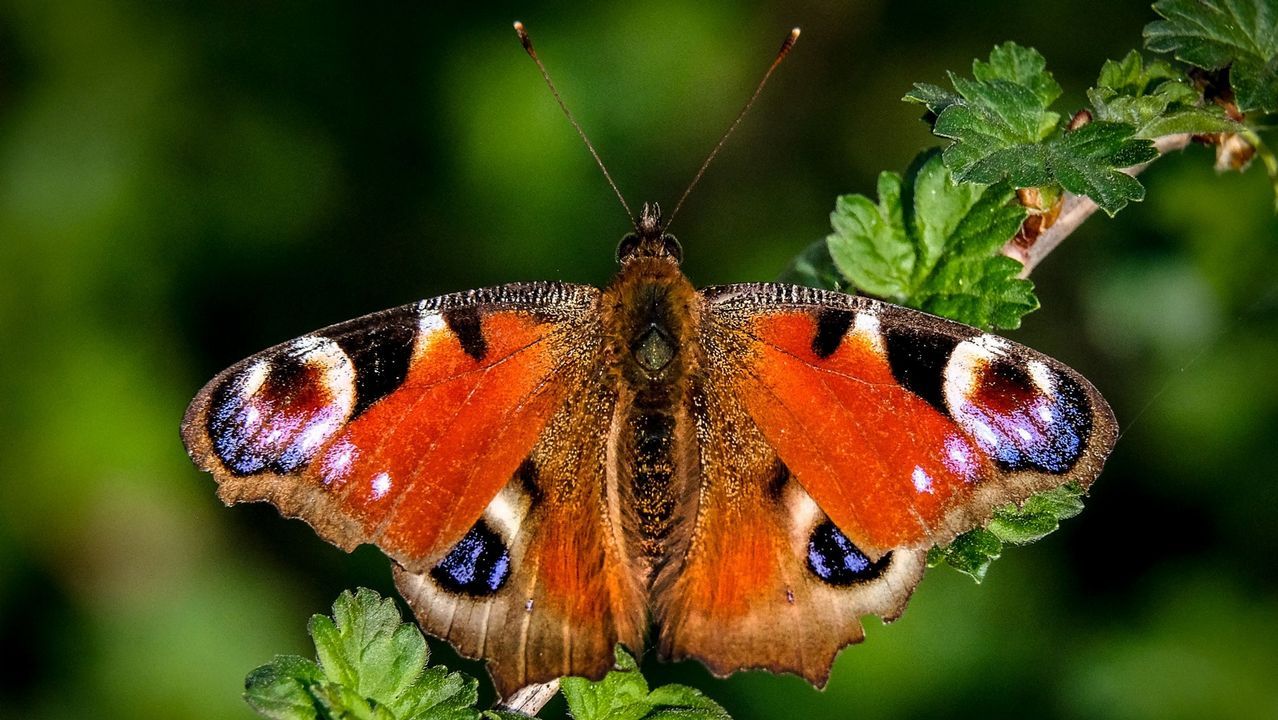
{"points": [[555, 469]]}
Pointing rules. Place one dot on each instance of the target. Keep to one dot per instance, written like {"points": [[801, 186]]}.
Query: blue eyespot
{"points": [[834, 559], [477, 565]]}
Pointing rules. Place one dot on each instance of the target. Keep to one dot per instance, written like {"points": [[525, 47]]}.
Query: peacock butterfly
{"points": [[554, 469]]}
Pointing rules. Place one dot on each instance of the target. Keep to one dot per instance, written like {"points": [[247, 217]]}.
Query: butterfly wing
{"points": [[576, 594], [415, 429], [841, 438]]}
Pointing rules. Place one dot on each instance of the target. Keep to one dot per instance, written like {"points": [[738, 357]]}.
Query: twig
{"points": [[1074, 210], [530, 699]]}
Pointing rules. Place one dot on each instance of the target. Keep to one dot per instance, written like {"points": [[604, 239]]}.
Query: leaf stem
{"points": [[1075, 209], [530, 699]]}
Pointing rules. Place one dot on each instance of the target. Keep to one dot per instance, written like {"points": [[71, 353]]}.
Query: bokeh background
{"points": [[182, 184]]}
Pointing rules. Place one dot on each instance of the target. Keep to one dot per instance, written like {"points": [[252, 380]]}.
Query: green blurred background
{"points": [[184, 183]]}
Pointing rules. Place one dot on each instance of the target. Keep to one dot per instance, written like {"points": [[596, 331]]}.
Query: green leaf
{"points": [[1213, 34], [372, 666], [1154, 99], [1022, 66], [1038, 517], [933, 244], [971, 553], [974, 551], [1001, 129], [280, 690], [936, 98], [623, 695]]}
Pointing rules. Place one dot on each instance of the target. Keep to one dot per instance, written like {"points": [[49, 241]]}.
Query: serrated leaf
{"points": [[1087, 161], [974, 551], [935, 97], [971, 553], [372, 666], [1153, 99], [367, 647], [680, 702], [1022, 66], [933, 244], [1001, 129], [623, 695], [872, 248], [1133, 76], [1038, 517], [1213, 34], [279, 690]]}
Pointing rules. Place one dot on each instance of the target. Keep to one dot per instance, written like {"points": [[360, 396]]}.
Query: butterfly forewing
{"points": [[906, 428], [396, 428]]}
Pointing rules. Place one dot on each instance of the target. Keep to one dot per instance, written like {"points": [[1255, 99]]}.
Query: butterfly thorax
{"points": [[650, 320]]}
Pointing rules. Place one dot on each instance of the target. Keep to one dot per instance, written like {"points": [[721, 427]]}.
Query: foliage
{"points": [[623, 695], [1155, 99], [933, 244], [973, 552], [1002, 130], [371, 666], [1241, 35]]}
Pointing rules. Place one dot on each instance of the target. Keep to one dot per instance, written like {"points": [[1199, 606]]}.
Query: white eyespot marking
{"points": [[922, 481], [1043, 377], [528, 606], [381, 485], [963, 371], [507, 511], [430, 330], [335, 468], [803, 511], [252, 418], [867, 327], [960, 458], [254, 377]]}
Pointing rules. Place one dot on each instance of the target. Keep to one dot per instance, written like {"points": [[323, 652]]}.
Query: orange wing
{"points": [[408, 429], [841, 438]]}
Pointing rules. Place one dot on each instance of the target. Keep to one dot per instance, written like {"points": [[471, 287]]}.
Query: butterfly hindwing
{"points": [[766, 580], [841, 438], [574, 596]]}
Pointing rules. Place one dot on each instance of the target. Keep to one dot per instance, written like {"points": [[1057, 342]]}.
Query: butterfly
{"points": [[556, 469]]}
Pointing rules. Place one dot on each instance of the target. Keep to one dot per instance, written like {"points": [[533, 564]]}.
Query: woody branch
{"points": [[1075, 209]]}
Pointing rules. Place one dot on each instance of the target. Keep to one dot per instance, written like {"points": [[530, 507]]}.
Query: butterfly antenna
{"points": [[528, 48], [786, 46]]}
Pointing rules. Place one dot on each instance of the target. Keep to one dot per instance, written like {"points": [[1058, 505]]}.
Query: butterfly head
{"points": [[649, 239]]}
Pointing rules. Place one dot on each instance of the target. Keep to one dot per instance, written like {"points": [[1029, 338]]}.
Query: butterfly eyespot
{"points": [[1025, 415], [478, 565], [277, 412], [833, 558]]}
